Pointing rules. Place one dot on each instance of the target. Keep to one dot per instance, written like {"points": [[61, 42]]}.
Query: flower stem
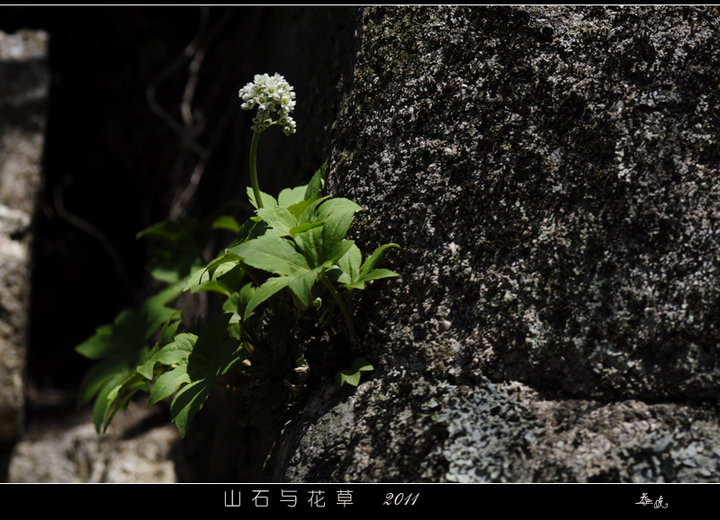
{"points": [[354, 339], [253, 169]]}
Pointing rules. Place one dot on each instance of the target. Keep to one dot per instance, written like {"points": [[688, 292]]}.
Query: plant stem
{"points": [[354, 339], [253, 169]]}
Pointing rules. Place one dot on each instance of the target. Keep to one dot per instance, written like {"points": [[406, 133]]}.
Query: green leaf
{"points": [[177, 247], [154, 312], [187, 403], [373, 259], [212, 285], [305, 211], [227, 222], [178, 351], [107, 394], [127, 362], [278, 219], [100, 344], [296, 230], [273, 254], [302, 284], [352, 375], [310, 243], [169, 330], [238, 301], [290, 196], [126, 392], [98, 375], [325, 244], [337, 216], [222, 264], [146, 363], [349, 263], [317, 183], [279, 256], [267, 199], [266, 290], [337, 250], [213, 354], [354, 278], [168, 383]]}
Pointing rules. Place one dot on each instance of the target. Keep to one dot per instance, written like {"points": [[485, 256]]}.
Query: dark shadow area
{"points": [[142, 101]]}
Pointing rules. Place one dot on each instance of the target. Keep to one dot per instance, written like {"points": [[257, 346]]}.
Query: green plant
{"points": [[284, 282]]}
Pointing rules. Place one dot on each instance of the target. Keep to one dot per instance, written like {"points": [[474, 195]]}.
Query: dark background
{"points": [[116, 156]]}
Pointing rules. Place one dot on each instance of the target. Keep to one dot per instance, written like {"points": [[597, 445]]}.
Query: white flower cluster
{"points": [[270, 94]]}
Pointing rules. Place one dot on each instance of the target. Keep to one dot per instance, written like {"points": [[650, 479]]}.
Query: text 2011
{"points": [[401, 499]]}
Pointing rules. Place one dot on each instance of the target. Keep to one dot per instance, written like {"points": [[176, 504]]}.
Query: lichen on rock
{"points": [[549, 173]]}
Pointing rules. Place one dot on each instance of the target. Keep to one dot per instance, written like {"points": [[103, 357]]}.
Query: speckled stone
{"points": [[23, 95], [71, 451], [550, 173]]}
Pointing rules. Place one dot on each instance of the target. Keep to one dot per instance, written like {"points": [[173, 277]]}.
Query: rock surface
{"points": [[550, 173], [133, 450], [23, 94]]}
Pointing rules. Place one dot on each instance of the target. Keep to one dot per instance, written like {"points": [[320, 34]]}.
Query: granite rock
{"points": [[550, 175], [23, 94]]}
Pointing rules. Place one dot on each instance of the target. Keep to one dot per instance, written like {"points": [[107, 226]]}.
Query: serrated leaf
{"points": [[279, 256], [177, 247], [273, 254], [98, 375], [234, 278], [350, 263], [337, 215], [223, 263], [352, 279], [169, 330], [178, 351], [267, 199], [212, 355], [155, 312], [310, 243], [98, 345], [187, 403], [168, 383], [337, 251], [280, 220], [127, 360], [127, 390], [265, 291], [301, 285], [290, 196], [304, 209], [327, 243], [146, 364], [107, 394], [296, 230]]}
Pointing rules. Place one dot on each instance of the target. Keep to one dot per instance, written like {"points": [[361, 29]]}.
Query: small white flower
{"points": [[269, 94]]}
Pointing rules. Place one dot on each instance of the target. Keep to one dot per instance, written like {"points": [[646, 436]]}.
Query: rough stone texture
{"points": [[550, 173], [23, 94], [72, 451]]}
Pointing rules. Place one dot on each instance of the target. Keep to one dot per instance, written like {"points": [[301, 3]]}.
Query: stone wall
{"points": [[551, 175], [23, 96]]}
